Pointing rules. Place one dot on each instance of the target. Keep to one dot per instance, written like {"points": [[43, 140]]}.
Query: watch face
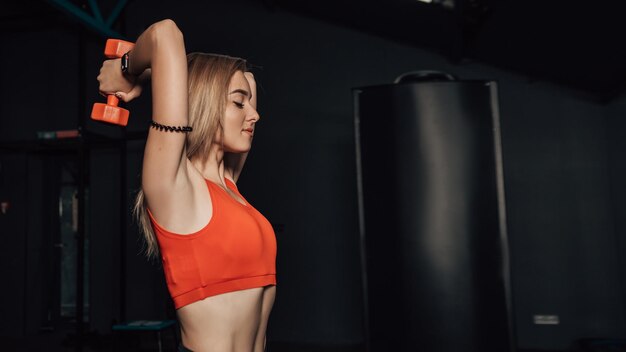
{"points": [[125, 63]]}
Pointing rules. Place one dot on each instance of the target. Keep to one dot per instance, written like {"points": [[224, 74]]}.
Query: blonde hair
{"points": [[209, 77]]}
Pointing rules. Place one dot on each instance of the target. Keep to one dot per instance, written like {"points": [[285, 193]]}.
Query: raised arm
{"points": [[161, 48]]}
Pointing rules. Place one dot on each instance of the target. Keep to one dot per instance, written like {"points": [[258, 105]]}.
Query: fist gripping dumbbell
{"points": [[110, 112]]}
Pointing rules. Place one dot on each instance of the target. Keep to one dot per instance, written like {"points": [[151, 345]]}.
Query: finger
{"points": [[126, 97], [135, 92], [123, 96]]}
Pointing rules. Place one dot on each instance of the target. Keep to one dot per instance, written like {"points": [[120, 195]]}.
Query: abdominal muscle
{"points": [[230, 322]]}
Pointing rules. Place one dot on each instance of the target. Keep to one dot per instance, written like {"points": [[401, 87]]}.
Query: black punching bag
{"points": [[432, 220]]}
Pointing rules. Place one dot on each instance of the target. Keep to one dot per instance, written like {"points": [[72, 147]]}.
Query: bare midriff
{"points": [[230, 322]]}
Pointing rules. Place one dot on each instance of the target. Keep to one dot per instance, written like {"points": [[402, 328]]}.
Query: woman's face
{"points": [[240, 116]]}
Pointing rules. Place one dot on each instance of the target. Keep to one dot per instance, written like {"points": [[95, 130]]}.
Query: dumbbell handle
{"points": [[112, 100]]}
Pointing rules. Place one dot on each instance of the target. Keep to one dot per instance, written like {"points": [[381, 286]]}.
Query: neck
{"points": [[212, 167]]}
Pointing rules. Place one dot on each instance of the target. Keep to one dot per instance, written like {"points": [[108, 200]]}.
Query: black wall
{"points": [[562, 169]]}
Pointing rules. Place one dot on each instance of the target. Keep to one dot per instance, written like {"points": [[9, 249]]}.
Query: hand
{"points": [[112, 81]]}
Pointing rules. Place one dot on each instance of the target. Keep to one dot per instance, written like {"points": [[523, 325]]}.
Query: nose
{"points": [[254, 115]]}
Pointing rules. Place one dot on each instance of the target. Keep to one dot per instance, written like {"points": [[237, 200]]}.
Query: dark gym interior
{"points": [[545, 251]]}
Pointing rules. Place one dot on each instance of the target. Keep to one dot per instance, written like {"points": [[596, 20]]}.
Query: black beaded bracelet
{"points": [[183, 129]]}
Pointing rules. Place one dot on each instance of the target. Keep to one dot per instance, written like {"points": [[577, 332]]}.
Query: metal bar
{"points": [[504, 237], [84, 18], [82, 174], [116, 12], [53, 194], [123, 230], [26, 252], [361, 210], [80, 248], [96, 10]]}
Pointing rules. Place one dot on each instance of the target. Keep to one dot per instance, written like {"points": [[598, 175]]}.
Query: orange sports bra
{"points": [[235, 251]]}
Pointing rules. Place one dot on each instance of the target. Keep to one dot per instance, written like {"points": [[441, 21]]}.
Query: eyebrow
{"points": [[241, 91]]}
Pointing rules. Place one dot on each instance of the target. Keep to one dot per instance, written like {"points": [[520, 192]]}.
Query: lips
{"points": [[249, 130]]}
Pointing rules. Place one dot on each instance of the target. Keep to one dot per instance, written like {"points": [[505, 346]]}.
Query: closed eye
{"points": [[238, 104]]}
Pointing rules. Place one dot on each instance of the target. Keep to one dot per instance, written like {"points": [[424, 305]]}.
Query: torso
{"points": [[229, 322]]}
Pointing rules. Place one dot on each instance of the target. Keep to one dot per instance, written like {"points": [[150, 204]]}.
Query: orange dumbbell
{"points": [[110, 112]]}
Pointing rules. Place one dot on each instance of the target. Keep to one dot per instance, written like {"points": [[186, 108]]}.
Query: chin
{"points": [[238, 150]]}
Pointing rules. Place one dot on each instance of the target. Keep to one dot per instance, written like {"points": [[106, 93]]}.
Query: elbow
{"points": [[166, 31]]}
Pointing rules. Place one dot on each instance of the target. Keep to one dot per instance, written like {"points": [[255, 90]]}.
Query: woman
{"points": [[218, 252]]}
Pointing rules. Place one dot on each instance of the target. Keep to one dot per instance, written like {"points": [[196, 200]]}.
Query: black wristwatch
{"points": [[125, 63]]}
